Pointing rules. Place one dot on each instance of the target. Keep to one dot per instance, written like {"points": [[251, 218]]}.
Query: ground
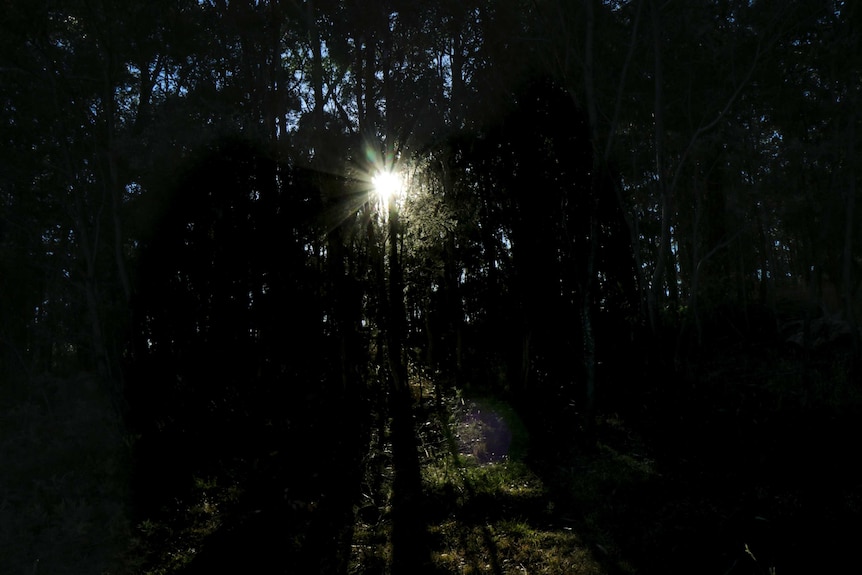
{"points": [[748, 467]]}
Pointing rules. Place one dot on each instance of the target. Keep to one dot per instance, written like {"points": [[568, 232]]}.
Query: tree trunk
{"points": [[316, 72], [849, 282], [396, 319], [586, 282], [664, 192]]}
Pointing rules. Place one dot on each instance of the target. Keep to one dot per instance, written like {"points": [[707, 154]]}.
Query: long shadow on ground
{"points": [[409, 535]]}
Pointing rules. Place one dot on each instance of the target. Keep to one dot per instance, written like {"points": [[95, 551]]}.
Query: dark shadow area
{"points": [[410, 543], [725, 470], [246, 409]]}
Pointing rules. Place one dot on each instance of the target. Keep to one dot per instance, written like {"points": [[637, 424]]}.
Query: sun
{"points": [[387, 185]]}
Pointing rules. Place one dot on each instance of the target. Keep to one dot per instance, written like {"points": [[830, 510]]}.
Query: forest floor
{"points": [[489, 504], [737, 475], [747, 468]]}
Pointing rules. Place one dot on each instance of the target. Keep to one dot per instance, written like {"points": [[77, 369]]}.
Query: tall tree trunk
{"points": [[360, 84], [370, 67], [89, 249], [115, 384], [316, 72], [457, 76], [395, 321], [454, 309], [849, 283], [586, 281], [272, 110], [115, 189], [664, 192], [768, 262]]}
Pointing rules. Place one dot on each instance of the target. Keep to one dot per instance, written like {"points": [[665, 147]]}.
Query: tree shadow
{"points": [[411, 546]]}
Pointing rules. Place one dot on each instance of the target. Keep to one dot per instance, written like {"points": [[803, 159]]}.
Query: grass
{"points": [[510, 546], [486, 510]]}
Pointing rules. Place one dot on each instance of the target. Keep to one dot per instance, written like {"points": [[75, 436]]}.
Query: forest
{"points": [[453, 286]]}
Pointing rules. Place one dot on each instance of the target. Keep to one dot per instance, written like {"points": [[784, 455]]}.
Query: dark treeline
{"points": [[598, 196]]}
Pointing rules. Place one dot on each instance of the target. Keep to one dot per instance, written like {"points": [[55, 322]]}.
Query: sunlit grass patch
{"points": [[511, 546], [460, 474], [498, 515]]}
